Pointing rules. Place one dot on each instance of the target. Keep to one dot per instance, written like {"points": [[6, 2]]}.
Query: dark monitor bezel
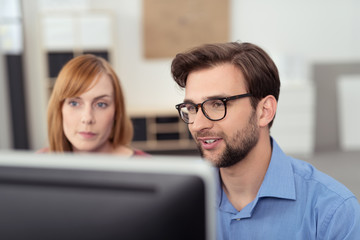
{"points": [[105, 174]]}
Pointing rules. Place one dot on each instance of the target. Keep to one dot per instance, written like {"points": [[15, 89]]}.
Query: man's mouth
{"points": [[209, 143]]}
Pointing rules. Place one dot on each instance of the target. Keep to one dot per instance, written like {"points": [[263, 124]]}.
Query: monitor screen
{"points": [[60, 196]]}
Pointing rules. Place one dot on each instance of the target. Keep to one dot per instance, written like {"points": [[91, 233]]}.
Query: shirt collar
{"points": [[279, 177], [218, 187]]}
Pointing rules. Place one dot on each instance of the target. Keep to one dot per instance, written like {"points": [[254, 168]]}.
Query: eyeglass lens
{"points": [[212, 109]]}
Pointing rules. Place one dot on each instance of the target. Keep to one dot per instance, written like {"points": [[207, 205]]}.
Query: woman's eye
{"points": [[73, 103], [102, 105]]}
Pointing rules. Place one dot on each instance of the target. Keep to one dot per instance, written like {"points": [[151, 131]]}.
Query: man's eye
{"points": [[214, 104], [191, 108], [217, 104]]}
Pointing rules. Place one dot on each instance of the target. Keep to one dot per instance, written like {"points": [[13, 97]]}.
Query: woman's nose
{"points": [[88, 116]]}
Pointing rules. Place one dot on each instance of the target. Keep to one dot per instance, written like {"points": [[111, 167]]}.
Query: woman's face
{"points": [[88, 119]]}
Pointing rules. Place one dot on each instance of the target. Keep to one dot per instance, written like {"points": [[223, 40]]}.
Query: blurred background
{"points": [[315, 45]]}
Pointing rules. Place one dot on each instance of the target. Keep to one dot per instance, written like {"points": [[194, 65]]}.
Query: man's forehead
{"points": [[199, 93], [204, 98]]}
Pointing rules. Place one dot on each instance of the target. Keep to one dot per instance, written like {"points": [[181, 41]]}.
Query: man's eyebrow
{"points": [[218, 96], [207, 98], [188, 101]]}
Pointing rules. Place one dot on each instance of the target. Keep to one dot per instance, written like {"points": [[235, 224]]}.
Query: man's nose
{"points": [[201, 122]]}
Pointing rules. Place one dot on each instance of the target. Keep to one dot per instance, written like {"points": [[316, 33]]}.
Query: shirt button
{"points": [[238, 219]]}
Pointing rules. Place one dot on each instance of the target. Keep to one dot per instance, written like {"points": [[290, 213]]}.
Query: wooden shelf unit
{"points": [[161, 132]]}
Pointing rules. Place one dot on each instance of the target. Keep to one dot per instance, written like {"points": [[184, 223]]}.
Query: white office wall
{"points": [[5, 123], [10, 43], [348, 87], [321, 30], [35, 76]]}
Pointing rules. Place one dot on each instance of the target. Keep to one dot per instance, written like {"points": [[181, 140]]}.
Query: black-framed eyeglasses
{"points": [[213, 109]]}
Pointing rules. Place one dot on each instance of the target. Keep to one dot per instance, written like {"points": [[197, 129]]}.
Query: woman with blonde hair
{"points": [[86, 111]]}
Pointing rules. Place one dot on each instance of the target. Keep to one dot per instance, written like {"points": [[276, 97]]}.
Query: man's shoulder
{"points": [[311, 182], [335, 206], [311, 178]]}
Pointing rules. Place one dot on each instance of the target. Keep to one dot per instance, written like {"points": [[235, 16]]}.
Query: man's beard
{"points": [[239, 146]]}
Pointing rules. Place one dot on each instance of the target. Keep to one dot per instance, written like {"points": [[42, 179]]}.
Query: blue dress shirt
{"points": [[295, 201]]}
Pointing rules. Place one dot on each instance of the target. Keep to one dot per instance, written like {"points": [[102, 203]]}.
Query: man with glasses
{"points": [[231, 95]]}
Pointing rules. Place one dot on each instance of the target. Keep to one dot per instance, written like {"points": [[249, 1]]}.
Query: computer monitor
{"points": [[63, 196]]}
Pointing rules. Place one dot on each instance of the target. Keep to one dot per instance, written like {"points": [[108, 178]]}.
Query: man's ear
{"points": [[267, 110]]}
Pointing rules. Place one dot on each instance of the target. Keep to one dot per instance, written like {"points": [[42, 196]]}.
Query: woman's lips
{"points": [[87, 135]]}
